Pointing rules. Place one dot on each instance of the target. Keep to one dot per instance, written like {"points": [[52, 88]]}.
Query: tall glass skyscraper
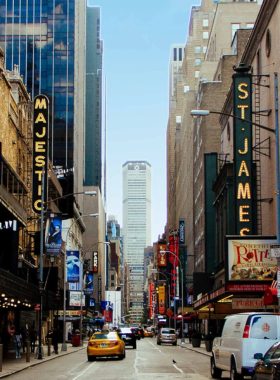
{"points": [[136, 227], [45, 38], [93, 141]]}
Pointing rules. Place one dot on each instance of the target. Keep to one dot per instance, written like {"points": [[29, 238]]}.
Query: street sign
{"points": [[275, 250]]}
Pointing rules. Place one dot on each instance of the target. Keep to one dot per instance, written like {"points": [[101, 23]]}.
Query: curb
{"points": [[199, 352], [39, 362]]}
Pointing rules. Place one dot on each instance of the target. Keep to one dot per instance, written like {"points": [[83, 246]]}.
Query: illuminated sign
{"points": [[40, 150], [161, 299], [161, 252], [95, 262], [249, 260], [242, 84]]}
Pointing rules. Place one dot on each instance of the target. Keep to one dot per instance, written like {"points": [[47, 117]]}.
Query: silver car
{"points": [[167, 335]]}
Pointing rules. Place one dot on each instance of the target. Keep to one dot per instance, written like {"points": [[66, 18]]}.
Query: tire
{"points": [[134, 346], [233, 372], [216, 373], [91, 358]]}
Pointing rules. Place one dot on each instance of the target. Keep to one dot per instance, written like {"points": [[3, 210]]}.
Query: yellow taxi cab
{"points": [[105, 344], [148, 332]]}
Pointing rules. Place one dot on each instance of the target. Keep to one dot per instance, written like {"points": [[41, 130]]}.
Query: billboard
{"points": [[53, 238], [161, 299], [162, 261], [73, 266], [250, 259], [89, 283], [40, 151], [76, 298]]}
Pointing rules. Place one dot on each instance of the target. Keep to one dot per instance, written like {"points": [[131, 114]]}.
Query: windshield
{"points": [[109, 336], [168, 331]]}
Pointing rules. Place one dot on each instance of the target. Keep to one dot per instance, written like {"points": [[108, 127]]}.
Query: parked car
{"points": [[127, 336], [167, 335], [136, 332], [268, 366], [243, 335], [105, 344]]}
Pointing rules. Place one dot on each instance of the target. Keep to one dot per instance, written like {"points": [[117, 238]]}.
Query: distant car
{"points": [[137, 332], [268, 366], [105, 344], [167, 335], [148, 332], [127, 336]]}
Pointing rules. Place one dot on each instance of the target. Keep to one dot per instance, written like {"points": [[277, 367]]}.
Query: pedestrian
{"points": [[23, 334], [55, 340], [33, 337], [18, 343]]}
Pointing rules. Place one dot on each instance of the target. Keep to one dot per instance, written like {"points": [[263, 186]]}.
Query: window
{"points": [[205, 23], [204, 49], [197, 50], [174, 54], [112, 277], [234, 28], [249, 26], [205, 35], [186, 89], [196, 74], [197, 62], [180, 54]]}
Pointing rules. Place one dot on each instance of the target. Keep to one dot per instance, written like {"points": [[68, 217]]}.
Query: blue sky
{"points": [[137, 38]]}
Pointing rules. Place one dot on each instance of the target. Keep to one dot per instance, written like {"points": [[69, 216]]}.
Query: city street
{"points": [[148, 361]]}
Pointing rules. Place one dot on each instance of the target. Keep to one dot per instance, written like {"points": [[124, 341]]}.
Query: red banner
{"points": [[162, 261], [161, 299], [173, 259], [152, 288], [107, 314]]}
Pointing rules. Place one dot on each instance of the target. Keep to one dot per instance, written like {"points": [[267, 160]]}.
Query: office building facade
{"points": [[46, 40], [136, 227]]}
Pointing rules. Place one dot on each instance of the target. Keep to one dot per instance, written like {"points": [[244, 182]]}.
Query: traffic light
{"points": [[57, 295]]}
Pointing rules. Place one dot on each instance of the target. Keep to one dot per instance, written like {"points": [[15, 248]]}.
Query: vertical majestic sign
{"points": [[242, 108], [95, 262], [40, 150], [99, 284], [173, 259]]}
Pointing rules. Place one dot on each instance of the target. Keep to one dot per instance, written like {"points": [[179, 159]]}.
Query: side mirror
{"points": [[258, 356]]}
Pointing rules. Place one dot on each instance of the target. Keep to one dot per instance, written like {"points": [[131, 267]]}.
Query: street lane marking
{"points": [[84, 371], [178, 369]]}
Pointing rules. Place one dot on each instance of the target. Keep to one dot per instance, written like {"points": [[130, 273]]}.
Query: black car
{"points": [[268, 365], [127, 336], [137, 332]]}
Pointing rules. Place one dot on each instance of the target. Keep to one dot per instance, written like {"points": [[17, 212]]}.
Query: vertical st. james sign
{"points": [[242, 104], [40, 150]]}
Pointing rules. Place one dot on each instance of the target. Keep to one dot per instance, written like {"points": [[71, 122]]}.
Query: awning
{"points": [[270, 296]]}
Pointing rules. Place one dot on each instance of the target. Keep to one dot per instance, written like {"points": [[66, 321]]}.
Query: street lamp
{"points": [[64, 346]]}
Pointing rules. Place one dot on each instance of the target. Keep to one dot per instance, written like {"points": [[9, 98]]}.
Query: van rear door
{"points": [[263, 333]]}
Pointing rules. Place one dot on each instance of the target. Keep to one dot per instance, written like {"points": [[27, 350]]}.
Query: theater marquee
{"points": [[40, 150], [242, 84]]}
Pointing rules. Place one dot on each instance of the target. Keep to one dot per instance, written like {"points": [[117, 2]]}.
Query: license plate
{"points": [[124, 336], [102, 345]]}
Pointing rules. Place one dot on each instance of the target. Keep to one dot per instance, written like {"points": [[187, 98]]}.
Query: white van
{"points": [[243, 335]]}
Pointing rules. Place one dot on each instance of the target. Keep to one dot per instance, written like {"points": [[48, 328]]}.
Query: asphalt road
{"points": [[148, 362]]}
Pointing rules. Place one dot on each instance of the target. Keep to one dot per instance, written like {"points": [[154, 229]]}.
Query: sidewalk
{"points": [[12, 365], [200, 350]]}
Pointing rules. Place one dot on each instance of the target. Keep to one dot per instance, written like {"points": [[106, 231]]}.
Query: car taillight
{"points": [[116, 343], [92, 344], [246, 331]]}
